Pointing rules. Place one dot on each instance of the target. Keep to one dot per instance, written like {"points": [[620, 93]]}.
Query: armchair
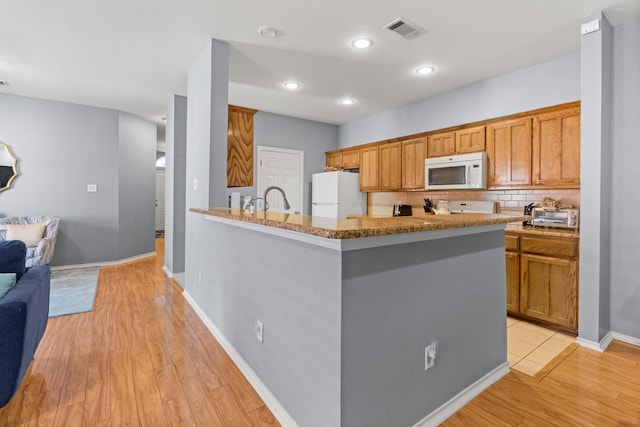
{"points": [[42, 252]]}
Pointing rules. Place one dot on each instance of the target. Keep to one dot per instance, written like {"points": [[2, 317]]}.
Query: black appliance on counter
{"points": [[528, 210], [402, 210]]}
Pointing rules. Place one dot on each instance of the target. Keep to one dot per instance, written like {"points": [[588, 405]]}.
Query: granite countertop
{"points": [[517, 227], [359, 227]]}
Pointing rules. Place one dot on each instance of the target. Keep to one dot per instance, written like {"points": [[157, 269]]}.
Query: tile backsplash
{"points": [[381, 204]]}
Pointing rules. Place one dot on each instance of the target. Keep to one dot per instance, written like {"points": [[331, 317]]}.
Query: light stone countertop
{"points": [[359, 227], [517, 227]]}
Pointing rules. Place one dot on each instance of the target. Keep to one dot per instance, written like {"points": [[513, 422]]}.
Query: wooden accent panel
{"points": [[240, 147], [549, 246], [390, 166], [513, 281], [556, 149], [470, 140], [509, 153], [441, 144], [414, 151], [548, 289], [511, 242], [369, 168], [350, 158]]}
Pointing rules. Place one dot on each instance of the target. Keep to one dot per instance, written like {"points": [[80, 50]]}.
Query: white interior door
{"points": [[159, 200], [283, 168]]}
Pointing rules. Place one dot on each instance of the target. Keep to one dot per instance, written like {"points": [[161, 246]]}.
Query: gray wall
{"points": [[314, 138], [249, 276], [397, 300], [136, 186], [549, 83], [595, 182], [625, 227], [61, 148], [175, 185]]}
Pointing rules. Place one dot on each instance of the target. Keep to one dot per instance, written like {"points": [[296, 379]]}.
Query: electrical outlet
{"points": [[259, 328], [430, 355]]}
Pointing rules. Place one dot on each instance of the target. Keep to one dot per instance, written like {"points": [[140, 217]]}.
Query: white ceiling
{"points": [[132, 55]]}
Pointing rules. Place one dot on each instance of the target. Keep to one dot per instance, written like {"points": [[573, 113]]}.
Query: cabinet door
{"points": [[509, 153], [240, 147], [334, 159], [351, 159], [441, 144], [548, 289], [470, 140], [513, 281], [369, 169], [414, 151], [556, 149], [390, 166]]}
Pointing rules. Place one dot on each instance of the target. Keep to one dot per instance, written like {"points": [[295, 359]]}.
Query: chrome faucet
{"points": [[284, 196]]}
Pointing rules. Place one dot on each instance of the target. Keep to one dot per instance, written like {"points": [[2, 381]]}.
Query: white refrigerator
{"points": [[337, 194]]}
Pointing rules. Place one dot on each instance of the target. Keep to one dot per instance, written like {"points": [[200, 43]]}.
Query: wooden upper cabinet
{"points": [[441, 144], [390, 166], [240, 147], [509, 153], [470, 140], [556, 149], [350, 158], [333, 159], [414, 151], [369, 168]]}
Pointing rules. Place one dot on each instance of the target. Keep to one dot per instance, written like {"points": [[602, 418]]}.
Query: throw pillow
{"points": [[30, 234], [12, 257], [7, 281]]}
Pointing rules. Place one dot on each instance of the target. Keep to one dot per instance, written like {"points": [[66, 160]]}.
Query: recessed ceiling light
{"points": [[292, 85], [347, 101], [361, 43], [424, 70], [268, 32]]}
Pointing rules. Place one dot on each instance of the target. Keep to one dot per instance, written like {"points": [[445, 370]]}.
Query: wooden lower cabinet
{"points": [[513, 282], [548, 289], [542, 279]]}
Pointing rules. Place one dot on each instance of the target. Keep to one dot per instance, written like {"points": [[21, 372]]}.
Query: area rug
{"points": [[72, 291]]}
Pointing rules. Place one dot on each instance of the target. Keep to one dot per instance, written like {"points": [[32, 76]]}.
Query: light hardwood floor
{"points": [[142, 357]]}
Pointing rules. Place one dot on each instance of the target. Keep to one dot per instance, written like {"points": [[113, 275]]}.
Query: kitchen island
{"points": [[348, 306]]}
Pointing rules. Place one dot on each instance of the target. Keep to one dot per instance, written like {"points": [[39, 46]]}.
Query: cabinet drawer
{"points": [[511, 243], [549, 246]]}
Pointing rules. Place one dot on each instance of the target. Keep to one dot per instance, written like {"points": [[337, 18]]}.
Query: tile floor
{"points": [[531, 347]]}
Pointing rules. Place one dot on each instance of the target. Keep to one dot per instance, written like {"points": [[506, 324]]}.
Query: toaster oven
{"points": [[552, 217]]}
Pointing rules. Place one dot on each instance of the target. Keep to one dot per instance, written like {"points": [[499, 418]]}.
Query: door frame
{"points": [[300, 154]]}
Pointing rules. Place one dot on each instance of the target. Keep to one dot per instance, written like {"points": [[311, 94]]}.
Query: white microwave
{"points": [[459, 172]]}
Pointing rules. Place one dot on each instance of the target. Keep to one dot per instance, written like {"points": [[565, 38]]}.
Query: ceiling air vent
{"points": [[406, 29]]}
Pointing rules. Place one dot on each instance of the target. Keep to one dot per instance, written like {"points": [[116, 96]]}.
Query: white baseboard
{"points": [[626, 338], [597, 346], [107, 263], [465, 396], [279, 412]]}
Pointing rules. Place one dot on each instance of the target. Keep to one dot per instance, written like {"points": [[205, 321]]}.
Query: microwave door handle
{"points": [[467, 176]]}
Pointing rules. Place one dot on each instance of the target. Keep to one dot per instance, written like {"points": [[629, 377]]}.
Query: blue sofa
{"points": [[24, 312]]}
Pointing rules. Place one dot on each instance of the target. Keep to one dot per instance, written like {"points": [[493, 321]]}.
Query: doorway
{"points": [[160, 204], [283, 168]]}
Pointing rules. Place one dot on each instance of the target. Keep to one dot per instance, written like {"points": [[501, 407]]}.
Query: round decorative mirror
{"points": [[8, 167]]}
